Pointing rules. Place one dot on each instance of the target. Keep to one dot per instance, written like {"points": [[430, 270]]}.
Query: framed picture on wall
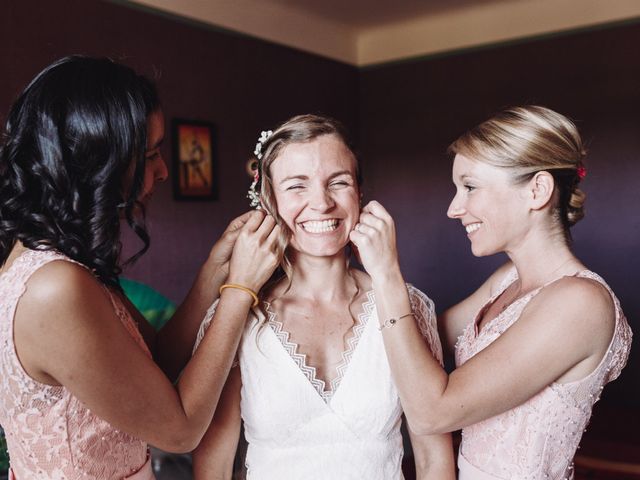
{"points": [[194, 160]]}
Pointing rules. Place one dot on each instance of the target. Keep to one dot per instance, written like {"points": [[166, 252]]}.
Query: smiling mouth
{"points": [[472, 227], [320, 226]]}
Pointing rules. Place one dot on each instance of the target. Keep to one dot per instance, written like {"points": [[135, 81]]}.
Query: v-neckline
{"points": [[299, 359]]}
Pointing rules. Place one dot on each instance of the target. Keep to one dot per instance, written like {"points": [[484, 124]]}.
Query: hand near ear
{"points": [[375, 239], [221, 251]]}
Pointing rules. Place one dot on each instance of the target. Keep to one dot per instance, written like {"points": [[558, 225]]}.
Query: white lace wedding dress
{"points": [[299, 428]]}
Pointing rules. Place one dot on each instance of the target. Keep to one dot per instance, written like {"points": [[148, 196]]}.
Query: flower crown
{"points": [[253, 194]]}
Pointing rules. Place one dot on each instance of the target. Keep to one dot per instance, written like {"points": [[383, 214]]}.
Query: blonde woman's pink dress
{"points": [[538, 439], [50, 433]]}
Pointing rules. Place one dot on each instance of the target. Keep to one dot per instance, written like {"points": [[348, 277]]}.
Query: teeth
{"points": [[322, 226], [472, 227]]}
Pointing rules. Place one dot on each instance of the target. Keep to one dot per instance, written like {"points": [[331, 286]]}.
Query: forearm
{"points": [[419, 377], [174, 342], [214, 457], [203, 379], [433, 455], [437, 469]]}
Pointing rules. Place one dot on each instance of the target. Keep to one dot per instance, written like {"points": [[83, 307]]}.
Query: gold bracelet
{"points": [[244, 289], [390, 322]]}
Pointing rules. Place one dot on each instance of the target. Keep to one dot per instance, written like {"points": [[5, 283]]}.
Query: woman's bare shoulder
{"points": [[63, 284], [577, 306]]}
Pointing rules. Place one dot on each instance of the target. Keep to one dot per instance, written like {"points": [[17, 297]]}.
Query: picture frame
{"points": [[195, 172]]}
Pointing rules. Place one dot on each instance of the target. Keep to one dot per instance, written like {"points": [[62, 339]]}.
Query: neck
{"points": [[322, 279], [542, 258]]}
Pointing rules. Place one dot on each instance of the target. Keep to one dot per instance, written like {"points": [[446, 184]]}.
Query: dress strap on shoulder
{"points": [[29, 261]]}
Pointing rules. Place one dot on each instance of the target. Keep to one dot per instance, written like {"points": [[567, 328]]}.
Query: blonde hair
{"points": [[298, 129], [530, 139]]}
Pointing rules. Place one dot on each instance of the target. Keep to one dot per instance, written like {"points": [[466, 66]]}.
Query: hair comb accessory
{"points": [[253, 194], [264, 136]]}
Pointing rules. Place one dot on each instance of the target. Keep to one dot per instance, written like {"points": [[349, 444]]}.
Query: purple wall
{"points": [[240, 84], [410, 112]]}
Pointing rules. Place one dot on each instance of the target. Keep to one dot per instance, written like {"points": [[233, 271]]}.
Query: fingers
{"points": [[371, 221], [238, 222], [266, 227], [376, 209], [254, 221]]}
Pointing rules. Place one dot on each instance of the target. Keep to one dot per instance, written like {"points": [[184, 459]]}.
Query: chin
{"points": [[479, 252], [321, 250]]}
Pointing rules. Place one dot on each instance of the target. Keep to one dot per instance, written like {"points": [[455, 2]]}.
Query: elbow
{"points": [[431, 424], [423, 428], [179, 440]]}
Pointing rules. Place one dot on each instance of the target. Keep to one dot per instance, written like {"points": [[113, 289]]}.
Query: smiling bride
{"points": [[313, 387]]}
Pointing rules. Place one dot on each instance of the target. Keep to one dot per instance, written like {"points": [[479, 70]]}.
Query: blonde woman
{"points": [[313, 385], [537, 342]]}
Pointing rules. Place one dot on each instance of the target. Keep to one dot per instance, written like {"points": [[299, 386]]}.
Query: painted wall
{"points": [[410, 112], [241, 84]]}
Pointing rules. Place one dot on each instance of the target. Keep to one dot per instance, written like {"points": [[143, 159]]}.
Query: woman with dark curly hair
{"points": [[79, 392]]}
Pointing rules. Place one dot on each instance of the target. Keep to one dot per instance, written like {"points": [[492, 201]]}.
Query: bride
{"points": [[313, 387]]}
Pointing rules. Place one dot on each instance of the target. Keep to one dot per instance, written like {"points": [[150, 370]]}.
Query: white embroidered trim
{"points": [[368, 308]]}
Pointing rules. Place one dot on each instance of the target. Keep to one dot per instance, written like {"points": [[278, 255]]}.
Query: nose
{"points": [[456, 208], [321, 200], [161, 172]]}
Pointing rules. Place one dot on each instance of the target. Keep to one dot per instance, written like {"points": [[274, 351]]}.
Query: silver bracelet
{"points": [[390, 322]]}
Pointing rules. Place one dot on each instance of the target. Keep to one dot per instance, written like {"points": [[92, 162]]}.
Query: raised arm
{"points": [[561, 336], [66, 332], [175, 340]]}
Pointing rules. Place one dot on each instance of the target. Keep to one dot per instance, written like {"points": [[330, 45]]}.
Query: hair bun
{"points": [[575, 208]]}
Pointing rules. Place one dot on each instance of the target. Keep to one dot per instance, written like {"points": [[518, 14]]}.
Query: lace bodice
{"points": [[296, 427], [50, 433], [538, 439]]}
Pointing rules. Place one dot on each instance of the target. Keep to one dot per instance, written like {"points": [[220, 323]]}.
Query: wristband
{"points": [[244, 289]]}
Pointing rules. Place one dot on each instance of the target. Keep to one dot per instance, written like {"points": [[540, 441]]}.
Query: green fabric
{"points": [[153, 306], [4, 457]]}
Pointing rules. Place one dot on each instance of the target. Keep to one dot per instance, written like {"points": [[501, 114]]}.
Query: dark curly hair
{"points": [[71, 137]]}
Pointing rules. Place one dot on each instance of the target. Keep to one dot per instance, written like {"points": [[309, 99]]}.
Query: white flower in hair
{"points": [[253, 194], [264, 136]]}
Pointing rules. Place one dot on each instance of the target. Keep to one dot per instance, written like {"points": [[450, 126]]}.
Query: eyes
{"points": [[333, 185], [152, 155]]}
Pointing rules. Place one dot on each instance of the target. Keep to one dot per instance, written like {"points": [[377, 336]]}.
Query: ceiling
{"points": [[370, 32], [368, 13]]}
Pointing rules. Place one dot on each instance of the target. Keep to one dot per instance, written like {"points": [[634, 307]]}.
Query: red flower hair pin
{"points": [[582, 172]]}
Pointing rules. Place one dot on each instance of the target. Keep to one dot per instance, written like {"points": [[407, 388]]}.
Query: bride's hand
{"points": [[375, 238]]}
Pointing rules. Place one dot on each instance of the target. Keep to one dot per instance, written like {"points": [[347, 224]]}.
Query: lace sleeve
{"points": [[425, 315], [206, 322]]}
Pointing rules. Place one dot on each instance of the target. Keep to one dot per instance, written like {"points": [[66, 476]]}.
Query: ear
{"points": [[541, 188]]}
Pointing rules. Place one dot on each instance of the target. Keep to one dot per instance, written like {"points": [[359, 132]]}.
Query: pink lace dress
{"points": [[299, 427], [50, 433], [538, 439]]}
